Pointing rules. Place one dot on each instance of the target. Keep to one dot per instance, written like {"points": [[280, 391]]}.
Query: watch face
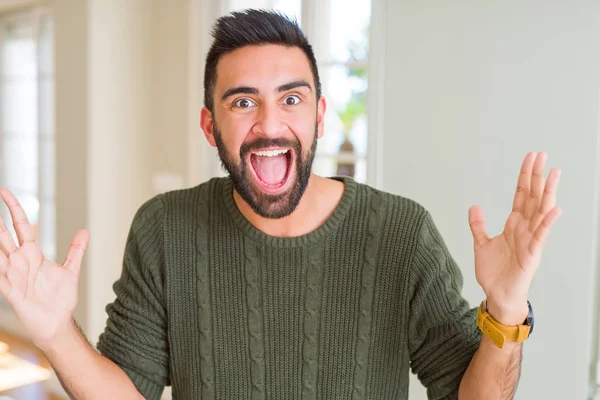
{"points": [[529, 320]]}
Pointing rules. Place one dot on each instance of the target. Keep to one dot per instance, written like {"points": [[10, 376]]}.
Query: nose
{"points": [[269, 122]]}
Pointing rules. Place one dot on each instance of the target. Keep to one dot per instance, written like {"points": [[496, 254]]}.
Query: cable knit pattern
{"points": [[312, 320], [366, 297], [204, 304], [255, 328], [221, 310]]}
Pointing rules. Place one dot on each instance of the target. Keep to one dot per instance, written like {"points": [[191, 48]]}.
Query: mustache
{"points": [[262, 143]]}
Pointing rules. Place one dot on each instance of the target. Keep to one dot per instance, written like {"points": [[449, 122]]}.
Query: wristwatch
{"points": [[499, 333]]}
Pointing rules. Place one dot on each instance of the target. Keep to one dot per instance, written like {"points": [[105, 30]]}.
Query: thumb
{"points": [[477, 224], [76, 251]]}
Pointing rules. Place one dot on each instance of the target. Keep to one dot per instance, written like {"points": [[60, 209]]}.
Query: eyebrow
{"points": [[293, 85], [251, 90], [239, 90]]}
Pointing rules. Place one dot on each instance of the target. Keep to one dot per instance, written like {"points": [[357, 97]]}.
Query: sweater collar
{"points": [[319, 234]]}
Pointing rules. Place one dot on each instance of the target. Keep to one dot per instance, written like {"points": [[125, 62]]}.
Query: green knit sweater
{"points": [[217, 309]]}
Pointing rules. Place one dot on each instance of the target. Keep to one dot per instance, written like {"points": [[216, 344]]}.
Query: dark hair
{"points": [[253, 27]]}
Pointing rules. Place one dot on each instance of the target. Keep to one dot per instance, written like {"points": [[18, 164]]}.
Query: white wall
{"points": [[16, 5], [471, 86], [72, 123], [122, 93], [120, 145], [170, 86]]}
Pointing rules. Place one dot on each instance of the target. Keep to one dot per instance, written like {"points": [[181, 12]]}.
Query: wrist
{"points": [[505, 314], [61, 341]]}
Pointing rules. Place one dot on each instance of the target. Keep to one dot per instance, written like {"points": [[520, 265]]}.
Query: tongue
{"points": [[270, 170]]}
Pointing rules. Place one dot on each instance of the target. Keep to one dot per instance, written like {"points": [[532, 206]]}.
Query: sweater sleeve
{"points": [[135, 337], [443, 334]]}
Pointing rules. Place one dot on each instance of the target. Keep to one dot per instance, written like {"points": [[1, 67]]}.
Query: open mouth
{"points": [[271, 169]]}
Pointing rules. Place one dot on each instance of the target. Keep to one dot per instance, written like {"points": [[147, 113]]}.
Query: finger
{"points": [[7, 244], [523, 183], [76, 251], [548, 199], [536, 187], [24, 230], [477, 224], [541, 233]]}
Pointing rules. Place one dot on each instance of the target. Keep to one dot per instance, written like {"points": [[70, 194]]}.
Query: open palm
{"points": [[505, 265], [42, 293]]}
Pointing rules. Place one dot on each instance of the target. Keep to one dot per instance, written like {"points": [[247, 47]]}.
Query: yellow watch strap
{"points": [[499, 333]]}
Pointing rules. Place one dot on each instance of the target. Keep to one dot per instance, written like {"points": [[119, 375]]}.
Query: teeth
{"points": [[270, 153]]}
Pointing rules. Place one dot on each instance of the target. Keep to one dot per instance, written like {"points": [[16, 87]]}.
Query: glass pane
{"points": [[291, 8], [361, 170], [19, 58], [235, 5], [20, 164], [349, 30], [19, 107], [335, 166], [333, 81], [324, 166], [346, 118]]}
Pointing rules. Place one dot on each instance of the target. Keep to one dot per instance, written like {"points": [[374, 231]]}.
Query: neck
{"points": [[318, 202]]}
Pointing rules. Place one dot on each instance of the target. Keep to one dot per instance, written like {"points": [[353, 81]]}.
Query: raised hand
{"points": [[42, 293], [505, 265]]}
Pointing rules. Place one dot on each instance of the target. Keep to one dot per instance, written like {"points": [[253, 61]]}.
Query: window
{"points": [[27, 140], [339, 33]]}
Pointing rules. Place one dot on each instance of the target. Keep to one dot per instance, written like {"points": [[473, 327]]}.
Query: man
{"points": [[277, 283]]}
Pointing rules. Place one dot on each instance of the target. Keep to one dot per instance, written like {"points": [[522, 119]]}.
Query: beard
{"points": [[267, 205]]}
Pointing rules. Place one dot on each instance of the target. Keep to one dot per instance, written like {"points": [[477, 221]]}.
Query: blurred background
{"points": [[437, 101]]}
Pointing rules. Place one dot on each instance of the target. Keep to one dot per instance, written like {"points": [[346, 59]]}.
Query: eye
{"points": [[244, 103], [291, 100]]}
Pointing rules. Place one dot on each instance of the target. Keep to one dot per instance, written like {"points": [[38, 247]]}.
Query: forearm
{"points": [[83, 373], [493, 372]]}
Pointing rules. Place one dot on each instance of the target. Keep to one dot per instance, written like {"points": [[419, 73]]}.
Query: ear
{"points": [[207, 125], [321, 107]]}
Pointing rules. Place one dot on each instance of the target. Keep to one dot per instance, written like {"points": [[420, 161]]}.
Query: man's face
{"points": [[265, 125]]}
